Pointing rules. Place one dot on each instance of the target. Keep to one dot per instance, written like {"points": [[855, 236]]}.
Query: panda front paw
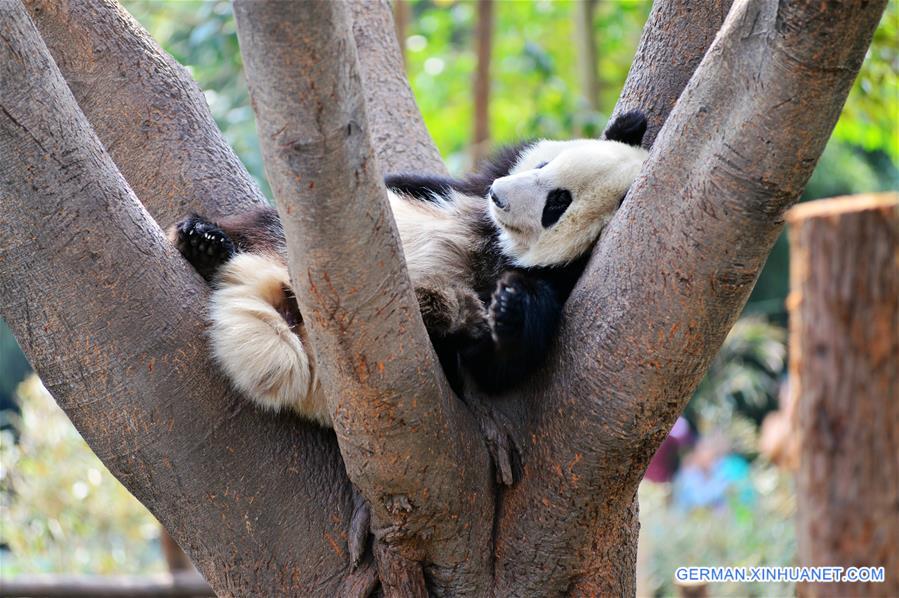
{"points": [[507, 308], [203, 244]]}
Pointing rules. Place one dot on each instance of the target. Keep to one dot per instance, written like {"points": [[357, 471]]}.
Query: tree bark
{"points": [[667, 280], [260, 502], [150, 115], [111, 318], [844, 377], [674, 41], [397, 130], [481, 85], [159, 111], [388, 398]]}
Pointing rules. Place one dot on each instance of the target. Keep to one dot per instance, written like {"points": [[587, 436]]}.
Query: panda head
{"points": [[560, 195]]}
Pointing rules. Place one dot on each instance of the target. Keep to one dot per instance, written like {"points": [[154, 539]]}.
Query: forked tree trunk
{"points": [[112, 317], [844, 375]]}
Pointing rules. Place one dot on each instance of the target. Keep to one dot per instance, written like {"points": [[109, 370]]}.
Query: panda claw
{"points": [[203, 244]]}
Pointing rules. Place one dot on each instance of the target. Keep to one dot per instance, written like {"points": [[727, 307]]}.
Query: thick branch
{"points": [[406, 441], [675, 38], [159, 131], [397, 130], [111, 317], [673, 271], [145, 108]]}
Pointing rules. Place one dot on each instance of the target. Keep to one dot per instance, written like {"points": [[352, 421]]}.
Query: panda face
{"points": [[555, 202]]}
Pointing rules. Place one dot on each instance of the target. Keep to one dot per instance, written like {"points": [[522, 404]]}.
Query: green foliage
{"points": [[534, 89], [60, 509], [756, 533], [870, 119], [742, 383]]}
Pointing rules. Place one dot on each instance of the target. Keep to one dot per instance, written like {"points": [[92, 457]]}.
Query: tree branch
{"points": [[146, 109], [111, 317], [670, 276], [675, 38], [160, 112], [397, 130], [407, 441]]}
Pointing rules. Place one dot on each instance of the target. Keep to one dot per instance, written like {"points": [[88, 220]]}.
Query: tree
{"points": [[111, 316], [481, 85]]}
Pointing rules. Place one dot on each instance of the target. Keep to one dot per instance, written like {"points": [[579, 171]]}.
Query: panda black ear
{"points": [[628, 128]]}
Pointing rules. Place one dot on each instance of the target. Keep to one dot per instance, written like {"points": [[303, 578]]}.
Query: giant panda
{"points": [[492, 258]]}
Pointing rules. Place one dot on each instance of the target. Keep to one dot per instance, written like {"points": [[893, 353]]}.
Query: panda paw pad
{"points": [[203, 244], [507, 308]]}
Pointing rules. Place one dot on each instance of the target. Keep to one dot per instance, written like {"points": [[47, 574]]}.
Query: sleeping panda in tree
{"points": [[492, 258]]}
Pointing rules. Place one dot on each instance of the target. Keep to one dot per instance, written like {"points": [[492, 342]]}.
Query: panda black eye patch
{"points": [[557, 201]]}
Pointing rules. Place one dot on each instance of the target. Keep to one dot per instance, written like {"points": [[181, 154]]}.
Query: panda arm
{"points": [[524, 316], [208, 245]]}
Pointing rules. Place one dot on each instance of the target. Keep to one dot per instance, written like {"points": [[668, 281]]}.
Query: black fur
{"points": [[557, 201], [495, 167], [525, 312], [422, 187], [203, 244], [628, 128], [433, 187]]}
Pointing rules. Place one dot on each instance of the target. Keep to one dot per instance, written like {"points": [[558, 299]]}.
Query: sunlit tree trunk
{"points": [[586, 52], [401, 21], [484, 44]]}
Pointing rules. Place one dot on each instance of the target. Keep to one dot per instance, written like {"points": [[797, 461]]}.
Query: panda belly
{"points": [[437, 241]]}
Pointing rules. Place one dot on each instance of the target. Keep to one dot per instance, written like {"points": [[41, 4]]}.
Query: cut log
{"points": [[844, 353]]}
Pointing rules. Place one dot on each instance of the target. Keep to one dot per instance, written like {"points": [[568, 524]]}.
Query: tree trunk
{"points": [[112, 317], [585, 46], [484, 41], [401, 24], [844, 377]]}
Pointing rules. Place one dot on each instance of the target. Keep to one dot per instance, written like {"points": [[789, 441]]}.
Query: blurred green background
{"points": [[63, 512]]}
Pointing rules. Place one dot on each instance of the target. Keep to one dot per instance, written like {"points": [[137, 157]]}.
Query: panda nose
{"points": [[502, 205]]}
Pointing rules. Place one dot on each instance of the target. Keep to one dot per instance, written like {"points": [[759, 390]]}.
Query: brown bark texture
{"points": [[262, 503], [396, 127], [387, 394], [844, 377], [667, 280], [111, 318], [674, 41], [149, 114]]}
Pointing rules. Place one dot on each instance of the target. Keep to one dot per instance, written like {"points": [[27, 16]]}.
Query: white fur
{"points": [[269, 362], [436, 236], [597, 173], [254, 345]]}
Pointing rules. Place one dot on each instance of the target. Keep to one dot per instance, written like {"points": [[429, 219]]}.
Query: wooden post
{"points": [[844, 375]]}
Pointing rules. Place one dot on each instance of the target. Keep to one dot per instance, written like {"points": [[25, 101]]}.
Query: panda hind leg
{"points": [[451, 311], [203, 244], [264, 355]]}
